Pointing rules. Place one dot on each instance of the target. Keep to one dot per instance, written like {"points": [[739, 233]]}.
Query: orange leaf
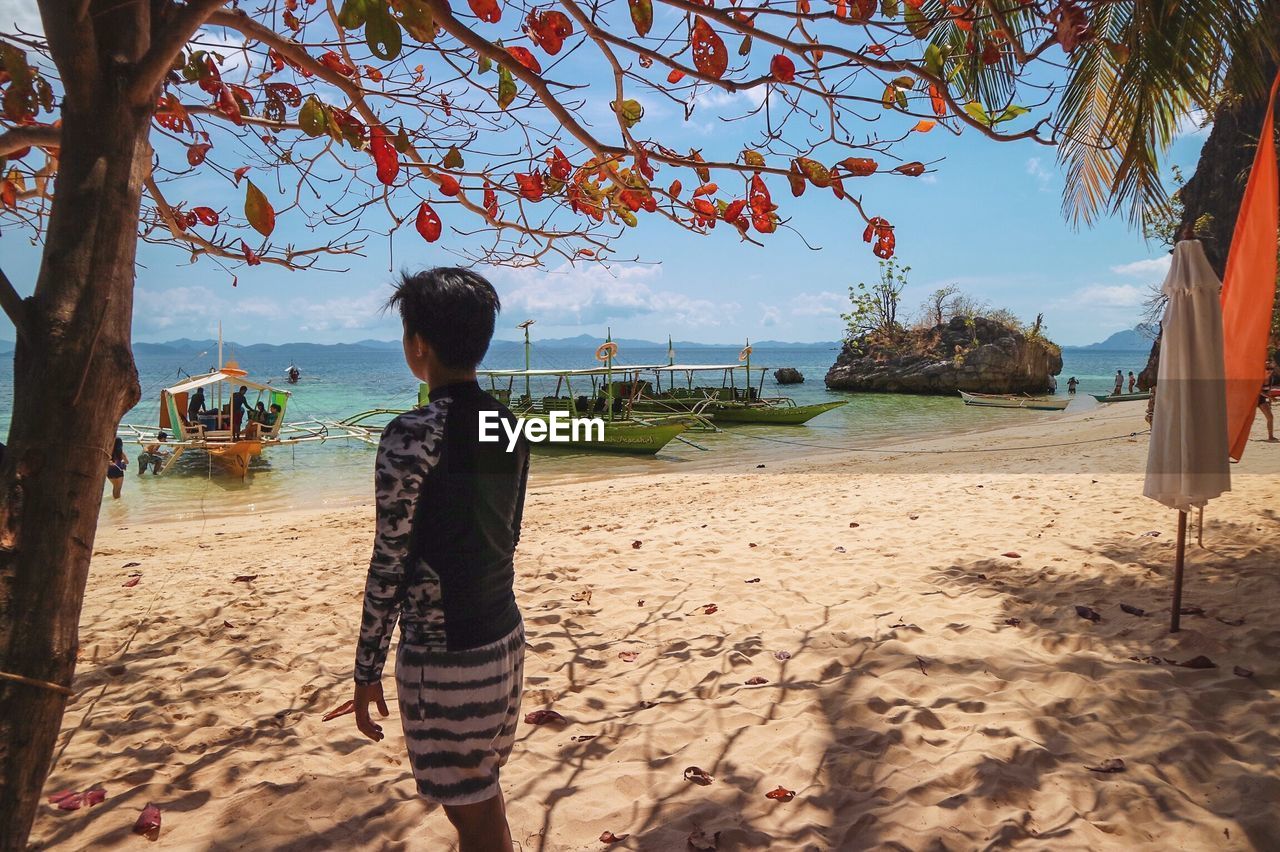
{"points": [[924, 125], [710, 56], [525, 58], [782, 68], [258, 210], [675, 76], [486, 10]]}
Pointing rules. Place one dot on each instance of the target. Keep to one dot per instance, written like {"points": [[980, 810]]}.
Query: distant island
{"points": [[1136, 339]]}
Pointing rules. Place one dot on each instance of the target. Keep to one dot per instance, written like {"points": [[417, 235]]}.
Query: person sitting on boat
{"points": [[195, 407], [153, 455], [1132, 381], [1119, 388], [449, 508], [1072, 384], [239, 405]]}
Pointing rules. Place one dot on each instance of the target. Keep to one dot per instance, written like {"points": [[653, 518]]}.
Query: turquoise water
{"points": [[338, 383]]}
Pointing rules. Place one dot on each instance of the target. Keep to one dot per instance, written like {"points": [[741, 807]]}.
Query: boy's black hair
{"points": [[450, 308]]}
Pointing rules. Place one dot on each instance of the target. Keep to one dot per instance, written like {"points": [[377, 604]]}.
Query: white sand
{"points": [[910, 715]]}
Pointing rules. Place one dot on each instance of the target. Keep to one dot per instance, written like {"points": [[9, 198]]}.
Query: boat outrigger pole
{"points": [[528, 394]]}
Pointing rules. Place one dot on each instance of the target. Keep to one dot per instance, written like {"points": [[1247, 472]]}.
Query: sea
{"points": [[339, 382]]}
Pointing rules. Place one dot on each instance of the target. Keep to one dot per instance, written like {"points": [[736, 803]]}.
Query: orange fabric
{"points": [[1249, 287]]}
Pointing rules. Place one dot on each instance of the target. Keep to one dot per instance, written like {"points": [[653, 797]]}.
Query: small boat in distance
{"points": [[292, 374], [210, 431], [1121, 397], [999, 400]]}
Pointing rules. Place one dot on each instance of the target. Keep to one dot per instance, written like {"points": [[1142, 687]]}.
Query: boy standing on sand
{"points": [[448, 519]]}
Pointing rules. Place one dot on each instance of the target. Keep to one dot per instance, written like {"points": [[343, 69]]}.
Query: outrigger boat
{"points": [[1121, 397], [727, 403], [211, 431], [1031, 403], [624, 431]]}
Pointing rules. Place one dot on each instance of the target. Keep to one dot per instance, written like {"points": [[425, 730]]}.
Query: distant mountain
{"points": [[189, 347], [1130, 340], [591, 340], [7, 347]]}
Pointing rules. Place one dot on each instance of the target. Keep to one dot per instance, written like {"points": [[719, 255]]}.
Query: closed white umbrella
{"points": [[1187, 464]]}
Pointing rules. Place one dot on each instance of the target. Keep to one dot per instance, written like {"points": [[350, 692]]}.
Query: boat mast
{"points": [[525, 325], [608, 378]]}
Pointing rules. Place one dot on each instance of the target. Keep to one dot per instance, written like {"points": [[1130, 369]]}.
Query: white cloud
{"points": [[823, 304], [770, 316], [363, 311], [20, 16], [1108, 296], [1195, 122], [591, 293], [1037, 169], [194, 310], [1156, 267]]}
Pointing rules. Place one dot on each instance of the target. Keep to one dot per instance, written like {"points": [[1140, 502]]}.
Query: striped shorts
{"points": [[459, 710]]}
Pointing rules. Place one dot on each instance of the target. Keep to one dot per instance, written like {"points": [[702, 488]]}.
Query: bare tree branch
{"points": [[155, 64], [13, 305], [17, 138]]}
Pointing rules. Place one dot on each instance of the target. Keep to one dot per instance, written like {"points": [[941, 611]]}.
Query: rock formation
{"points": [[788, 376], [970, 354]]}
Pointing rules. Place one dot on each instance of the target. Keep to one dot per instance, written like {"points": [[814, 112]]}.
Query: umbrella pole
{"points": [[1175, 620]]}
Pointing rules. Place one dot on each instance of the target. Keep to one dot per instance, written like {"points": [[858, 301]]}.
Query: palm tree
{"points": [[1135, 71]]}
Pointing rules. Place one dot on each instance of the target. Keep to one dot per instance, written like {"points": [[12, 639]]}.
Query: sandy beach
{"points": [[927, 681]]}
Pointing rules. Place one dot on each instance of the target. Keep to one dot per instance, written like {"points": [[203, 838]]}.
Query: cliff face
{"points": [[985, 357]]}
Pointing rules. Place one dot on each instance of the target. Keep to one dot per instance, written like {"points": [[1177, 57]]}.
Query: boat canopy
{"points": [[694, 368], [218, 376], [588, 371]]}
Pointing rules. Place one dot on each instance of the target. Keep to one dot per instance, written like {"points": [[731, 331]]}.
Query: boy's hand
{"points": [[366, 694]]}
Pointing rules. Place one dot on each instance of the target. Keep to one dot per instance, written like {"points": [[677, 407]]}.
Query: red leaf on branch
{"points": [[962, 15], [449, 185], [860, 11], [675, 189], [911, 169], [241, 172], [758, 197], [710, 56], [276, 60], [525, 58], [938, 101], [490, 201], [286, 92], [706, 189], [384, 155], [877, 49], [734, 210], [549, 30], [249, 256], [8, 195], [560, 166], [675, 76], [336, 64], [486, 10], [228, 105], [428, 223], [782, 68], [196, 152], [206, 215], [860, 166], [530, 185]]}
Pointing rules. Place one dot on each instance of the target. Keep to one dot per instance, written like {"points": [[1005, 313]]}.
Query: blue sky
{"points": [[988, 220]]}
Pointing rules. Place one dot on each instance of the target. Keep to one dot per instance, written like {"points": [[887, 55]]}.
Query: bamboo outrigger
{"points": [[997, 400]]}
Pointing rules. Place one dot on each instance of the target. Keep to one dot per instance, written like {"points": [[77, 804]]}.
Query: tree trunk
{"points": [[74, 378], [1213, 194]]}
